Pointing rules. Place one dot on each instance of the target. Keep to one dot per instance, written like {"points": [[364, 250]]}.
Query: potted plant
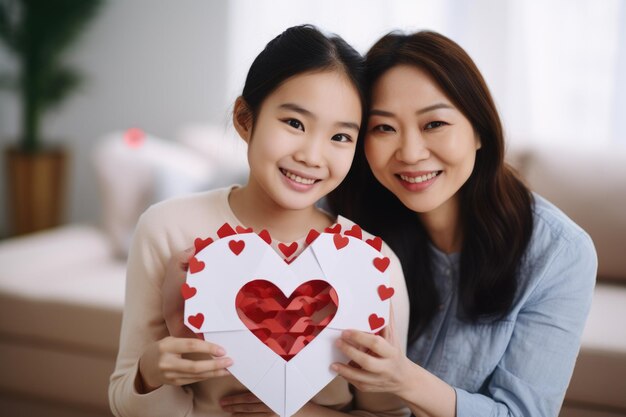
{"points": [[38, 33]]}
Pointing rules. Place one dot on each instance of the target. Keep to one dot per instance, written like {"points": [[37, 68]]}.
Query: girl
{"points": [[500, 280], [300, 114]]}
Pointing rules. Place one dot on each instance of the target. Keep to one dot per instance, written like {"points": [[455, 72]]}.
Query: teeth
{"points": [[417, 180], [296, 178]]}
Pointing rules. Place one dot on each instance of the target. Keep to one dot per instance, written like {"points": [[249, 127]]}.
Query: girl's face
{"points": [[418, 145], [304, 138]]}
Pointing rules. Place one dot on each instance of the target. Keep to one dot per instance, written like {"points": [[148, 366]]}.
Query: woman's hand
{"points": [[242, 405], [377, 364], [164, 363], [172, 303]]}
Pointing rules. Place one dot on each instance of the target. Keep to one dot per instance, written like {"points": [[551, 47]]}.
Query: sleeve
{"points": [[143, 324], [532, 376], [383, 404]]}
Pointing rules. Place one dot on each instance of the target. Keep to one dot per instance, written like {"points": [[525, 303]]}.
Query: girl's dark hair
{"points": [[298, 50], [495, 206]]}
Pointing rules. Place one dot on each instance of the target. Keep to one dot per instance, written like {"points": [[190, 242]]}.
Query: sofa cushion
{"points": [[590, 187], [130, 178], [600, 375], [72, 294]]}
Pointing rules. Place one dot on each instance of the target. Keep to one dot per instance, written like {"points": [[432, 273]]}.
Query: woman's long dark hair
{"points": [[496, 207]]}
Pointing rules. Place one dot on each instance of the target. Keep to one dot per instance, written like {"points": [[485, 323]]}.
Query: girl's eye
{"points": [[295, 123], [340, 137], [383, 128], [434, 125]]}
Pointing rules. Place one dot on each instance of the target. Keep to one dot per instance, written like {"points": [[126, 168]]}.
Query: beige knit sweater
{"points": [[168, 228]]}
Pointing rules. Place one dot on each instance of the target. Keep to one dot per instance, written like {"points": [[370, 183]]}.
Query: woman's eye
{"points": [[383, 128], [434, 125], [295, 123], [340, 137]]}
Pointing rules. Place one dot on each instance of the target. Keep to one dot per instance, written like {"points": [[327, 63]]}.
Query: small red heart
{"points": [[226, 230], [313, 234], [265, 235], [195, 265], [376, 243], [333, 229], [288, 250], [200, 244], [134, 137], [385, 292], [340, 241], [197, 320], [236, 246], [376, 322], [187, 291], [242, 230], [355, 232], [381, 263]]}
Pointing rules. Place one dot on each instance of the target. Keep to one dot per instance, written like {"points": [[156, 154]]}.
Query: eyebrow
{"points": [[378, 112], [307, 113]]}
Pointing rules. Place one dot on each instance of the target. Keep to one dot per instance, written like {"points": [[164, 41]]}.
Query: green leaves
{"points": [[38, 33]]}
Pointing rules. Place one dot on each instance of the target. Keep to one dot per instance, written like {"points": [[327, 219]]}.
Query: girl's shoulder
{"points": [[202, 212]]}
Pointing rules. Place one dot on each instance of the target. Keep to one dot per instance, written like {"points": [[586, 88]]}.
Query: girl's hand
{"points": [[163, 363], [172, 303], [377, 364], [241, 405]]}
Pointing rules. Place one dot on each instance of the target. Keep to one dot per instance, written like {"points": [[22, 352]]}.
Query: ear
{"points": [[242, 119], [478, 141]]}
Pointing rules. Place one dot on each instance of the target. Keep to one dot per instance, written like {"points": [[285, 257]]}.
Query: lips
{"points": [[418, 177], [299, 177]]}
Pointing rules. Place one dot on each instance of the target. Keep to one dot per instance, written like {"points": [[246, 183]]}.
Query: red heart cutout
{"points": [[340, 241], [195, 265], [197, 320], [200, 244], [381, 263], [265, 235], [376, 243], [187, 291], [288, 250], [236, 246], [225, 230], [375, 321], [286, 325], [385, 292], [333, 229], [313, 234], [355, 231], [242, 230], [134, 137]]}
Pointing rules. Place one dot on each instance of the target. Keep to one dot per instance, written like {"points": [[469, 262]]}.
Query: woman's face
{"points": [[418, 144]]}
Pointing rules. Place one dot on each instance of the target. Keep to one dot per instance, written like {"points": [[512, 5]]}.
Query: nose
{"points": [[413, 148], [310, 152]]}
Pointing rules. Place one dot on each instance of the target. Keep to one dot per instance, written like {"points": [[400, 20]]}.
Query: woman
{"points": [[500, 281]]}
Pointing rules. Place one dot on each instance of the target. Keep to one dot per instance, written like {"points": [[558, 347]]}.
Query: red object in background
{"points": [[286, 325], [134, 137]]}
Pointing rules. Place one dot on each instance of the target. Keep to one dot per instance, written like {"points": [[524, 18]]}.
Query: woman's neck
{"points": [[257, 210], [444, 227]]}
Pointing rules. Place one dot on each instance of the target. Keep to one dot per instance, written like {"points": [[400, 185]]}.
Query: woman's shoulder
{"points": [[558, 248], [550, 224]]}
